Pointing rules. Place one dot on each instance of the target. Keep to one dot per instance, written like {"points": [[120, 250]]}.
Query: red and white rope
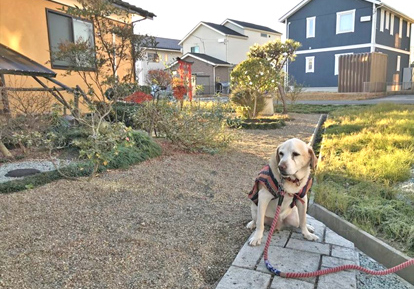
{"points": [[324, 271]]}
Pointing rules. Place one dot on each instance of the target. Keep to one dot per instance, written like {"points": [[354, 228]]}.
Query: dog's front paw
{"points": [[251, 225], [310, 228], [256, 238], [311, 237]]}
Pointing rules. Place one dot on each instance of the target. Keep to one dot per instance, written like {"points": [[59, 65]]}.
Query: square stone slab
{"points": [[240, 278]]}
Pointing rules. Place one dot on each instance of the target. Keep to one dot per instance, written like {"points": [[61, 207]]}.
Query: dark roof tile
{"points": [[208, 58], [223, 29], [12, 62], [167, 43], [134, 8], [253, 26]]}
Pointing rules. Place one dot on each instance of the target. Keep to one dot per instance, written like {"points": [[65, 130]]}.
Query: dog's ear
{"points": [[313, 159], [277, 155]]}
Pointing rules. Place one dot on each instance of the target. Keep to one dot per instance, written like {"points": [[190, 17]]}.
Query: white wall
{"points": [[232, 50], [207, 40], [165, 58], [238, 48]]}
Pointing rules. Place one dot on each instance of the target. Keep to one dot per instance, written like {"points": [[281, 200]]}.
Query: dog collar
{"points": [[295, 181]]}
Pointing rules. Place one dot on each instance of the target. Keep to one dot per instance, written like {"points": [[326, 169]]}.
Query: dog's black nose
{"points": [[282, 168]]}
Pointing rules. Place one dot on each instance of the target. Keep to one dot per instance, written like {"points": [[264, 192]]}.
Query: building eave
{"points": [[305, 2]]}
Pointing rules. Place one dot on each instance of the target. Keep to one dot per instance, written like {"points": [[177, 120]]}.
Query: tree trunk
{"points": [[281, 89], [255, 106], [5, 151], [4, 96]]}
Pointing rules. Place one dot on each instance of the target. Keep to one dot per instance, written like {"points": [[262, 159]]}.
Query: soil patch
{"points": [[176, 221]]}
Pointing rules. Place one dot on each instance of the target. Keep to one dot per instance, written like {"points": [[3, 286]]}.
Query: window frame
{"points": [[57, 66], [400, 28], [392, 24], [155, 58], [338, 21], [336, 63], [398, 68], [387, 20], [195, 48], [309, 33], [382, 20], [307, 60]]}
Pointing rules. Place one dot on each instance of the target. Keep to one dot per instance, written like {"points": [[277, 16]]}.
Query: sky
{"points": [[175, 19]]}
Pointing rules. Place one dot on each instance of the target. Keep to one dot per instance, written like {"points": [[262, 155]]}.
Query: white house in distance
{"points": [[228, 41], [216, 48], [159, 57]]}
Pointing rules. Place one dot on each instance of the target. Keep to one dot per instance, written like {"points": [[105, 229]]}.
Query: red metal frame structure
{"points": [[185, 72]]}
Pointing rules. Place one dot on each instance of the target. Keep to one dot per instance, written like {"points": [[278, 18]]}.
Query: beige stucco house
{"points": [[216, 48], [162, 55]]}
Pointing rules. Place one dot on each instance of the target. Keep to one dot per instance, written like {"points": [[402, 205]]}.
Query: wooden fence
{"points": [[362, 72]]}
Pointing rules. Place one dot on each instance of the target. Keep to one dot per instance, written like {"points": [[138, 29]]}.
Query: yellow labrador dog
{"points": [[288, 171]]}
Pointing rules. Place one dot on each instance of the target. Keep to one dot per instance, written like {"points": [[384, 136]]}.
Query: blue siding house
{"points": [[330, 28]]}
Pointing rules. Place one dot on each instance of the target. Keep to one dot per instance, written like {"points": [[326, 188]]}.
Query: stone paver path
{"points": [[290, 252]]}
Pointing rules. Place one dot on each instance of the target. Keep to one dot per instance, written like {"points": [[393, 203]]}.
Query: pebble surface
{"points": [[42, 165], [365, 281]]}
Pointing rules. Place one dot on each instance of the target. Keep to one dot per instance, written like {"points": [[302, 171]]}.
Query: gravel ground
{"points": [[176, 221], [365, 281]]}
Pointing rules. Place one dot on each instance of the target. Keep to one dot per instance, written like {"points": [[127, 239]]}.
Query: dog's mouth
{"points": [[284, 175]]}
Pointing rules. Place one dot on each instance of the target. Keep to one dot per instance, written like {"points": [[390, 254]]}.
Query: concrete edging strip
{"points": [[373, 247]]}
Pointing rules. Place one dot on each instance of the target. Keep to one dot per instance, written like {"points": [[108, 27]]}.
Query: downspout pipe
{"points": [[374, 27]]}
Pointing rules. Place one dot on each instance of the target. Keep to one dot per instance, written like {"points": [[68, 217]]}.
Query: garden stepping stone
{"points": [[21, 173]]}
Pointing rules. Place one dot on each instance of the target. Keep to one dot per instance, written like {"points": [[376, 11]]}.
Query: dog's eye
{"points": [[281, 154], [295, 154]]}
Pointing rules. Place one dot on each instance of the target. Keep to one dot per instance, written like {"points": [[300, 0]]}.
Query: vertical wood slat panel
{"points": [[362, 72]]}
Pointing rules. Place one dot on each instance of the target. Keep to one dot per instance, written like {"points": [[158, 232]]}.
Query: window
{"points": [[153, 57], [310, 27], [382, 21], [398, 63], [310, 64], [336, 68], [387, 20], [400, 28], [392, 25], [263, 35], [408, 29], [345, 21], [66, 29], [195, 49]]}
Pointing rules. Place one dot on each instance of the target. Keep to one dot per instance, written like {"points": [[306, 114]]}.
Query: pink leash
{"points": [[325, 271]]}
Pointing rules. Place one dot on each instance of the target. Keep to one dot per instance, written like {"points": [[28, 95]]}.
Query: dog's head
{"points": [[294, 157]]}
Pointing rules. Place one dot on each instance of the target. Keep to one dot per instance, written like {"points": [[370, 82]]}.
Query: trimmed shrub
{"points": [[194, 128], [244, 99], [144, 149]]}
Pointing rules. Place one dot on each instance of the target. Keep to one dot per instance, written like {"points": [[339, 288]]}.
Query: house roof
{"points": [[216, 27], [204, 58], [166, 44], [377, 2], [243, 24], [207, 58], [133, 8], [223, 29], [12, 62]]}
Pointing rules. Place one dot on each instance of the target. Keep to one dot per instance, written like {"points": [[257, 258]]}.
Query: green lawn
{"points": [[367, 151], [310, 108]]}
